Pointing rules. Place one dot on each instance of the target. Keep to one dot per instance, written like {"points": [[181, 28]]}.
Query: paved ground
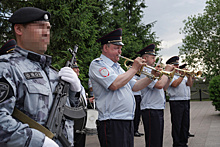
{"points": [[205, 124]]}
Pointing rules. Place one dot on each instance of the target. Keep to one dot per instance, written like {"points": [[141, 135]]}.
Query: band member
{"points": [[189, 97], [179, 106], [153, 101], [27, 82], [112, 87], [137, 116], [80, 137]]}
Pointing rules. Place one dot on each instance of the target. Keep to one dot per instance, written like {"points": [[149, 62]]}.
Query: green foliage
{"points": [[201, 42], [82, 22], [214, 91]]}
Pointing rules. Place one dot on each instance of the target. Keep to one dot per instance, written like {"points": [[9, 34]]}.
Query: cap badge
{"points": [[45, 16]]}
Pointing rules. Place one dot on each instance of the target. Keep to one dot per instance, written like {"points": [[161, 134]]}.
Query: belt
{"points": [[32, 123]]}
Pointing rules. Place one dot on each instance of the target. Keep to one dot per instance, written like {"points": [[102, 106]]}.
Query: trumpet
{"points": [[167, 73], [190, 73]]}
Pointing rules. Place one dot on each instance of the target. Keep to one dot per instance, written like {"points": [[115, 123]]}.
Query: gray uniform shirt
{"points": [[181, 92], [117, 104], [27, 82], [152, 98]]}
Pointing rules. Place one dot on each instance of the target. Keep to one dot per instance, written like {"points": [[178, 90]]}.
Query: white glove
{"points": [[68, 74], [49, 142]]}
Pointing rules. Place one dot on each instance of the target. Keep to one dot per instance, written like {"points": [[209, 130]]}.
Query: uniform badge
{"points": [[46, 17], [4, 90], [104, 72], [32, 75]]}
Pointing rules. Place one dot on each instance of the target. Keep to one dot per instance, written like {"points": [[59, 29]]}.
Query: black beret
{"points": [[29, 14], [114, 37], [183, 66], [150, 49], [7, 47], [173, 60]]}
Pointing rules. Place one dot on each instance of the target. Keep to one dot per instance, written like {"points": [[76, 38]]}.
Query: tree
{"points": [[214, 92], [82, 22], [201, 42], [72, 23], [127, 14]]}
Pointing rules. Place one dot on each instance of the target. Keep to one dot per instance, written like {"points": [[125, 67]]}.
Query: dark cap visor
{"points": [[117, 43]]}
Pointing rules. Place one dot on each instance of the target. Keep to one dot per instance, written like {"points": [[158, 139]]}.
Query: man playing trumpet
{"points": [[189, 96], [113, 88], [153, 100], [179, 106]]}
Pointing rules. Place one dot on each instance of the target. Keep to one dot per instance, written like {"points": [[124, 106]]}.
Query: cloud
{"points": [[169, 16], [170, 52]]}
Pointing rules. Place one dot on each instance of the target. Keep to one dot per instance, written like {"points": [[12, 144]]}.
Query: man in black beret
{"points": [[113, 88], [32, 28], [153, 101], [179, 93], [28, 83], [8, 47]]}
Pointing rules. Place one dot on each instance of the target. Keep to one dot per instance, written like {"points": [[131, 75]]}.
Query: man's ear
{"points": [[18, 29], [105, 47]]}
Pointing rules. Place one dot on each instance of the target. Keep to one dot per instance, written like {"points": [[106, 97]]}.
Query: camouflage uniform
{"points": [[27, 82]]}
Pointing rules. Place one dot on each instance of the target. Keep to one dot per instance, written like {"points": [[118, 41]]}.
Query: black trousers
{"points": [[80, 140], [137, 112], [153, 121], [189, 114], [116, 133], [180, 122]]}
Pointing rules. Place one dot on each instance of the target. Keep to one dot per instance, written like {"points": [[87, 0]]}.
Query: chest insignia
{"points": [[32, 75]]}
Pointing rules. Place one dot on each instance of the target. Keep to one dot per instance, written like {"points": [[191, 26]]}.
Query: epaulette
{"points": [[8, 56], [98, 59]]}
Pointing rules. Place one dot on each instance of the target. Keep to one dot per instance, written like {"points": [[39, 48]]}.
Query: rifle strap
{"points": [[32, 123]]}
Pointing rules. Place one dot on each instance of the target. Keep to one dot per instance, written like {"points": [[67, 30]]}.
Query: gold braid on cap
{"points": [[10, 50], [177, 61], [114, 41]]}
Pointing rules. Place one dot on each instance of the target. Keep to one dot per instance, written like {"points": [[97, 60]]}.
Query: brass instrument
{"points": [[190, 73], [198, 74], [167, 73]]}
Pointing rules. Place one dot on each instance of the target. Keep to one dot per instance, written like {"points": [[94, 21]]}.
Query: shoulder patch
{"points": [[4, 91], [104, 72]]}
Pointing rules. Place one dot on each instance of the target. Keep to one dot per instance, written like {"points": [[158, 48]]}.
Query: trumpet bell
{"points": [[198, 74], [169, 74]]}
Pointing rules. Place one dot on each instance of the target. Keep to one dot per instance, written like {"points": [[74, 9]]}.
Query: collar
{"points": [[109, 61], [44, 60]]}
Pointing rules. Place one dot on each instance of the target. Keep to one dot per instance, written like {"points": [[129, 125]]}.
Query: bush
{"points": [[214, 92]]}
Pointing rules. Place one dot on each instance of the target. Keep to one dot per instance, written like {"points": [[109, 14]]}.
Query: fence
{"points": [[199, 90]]}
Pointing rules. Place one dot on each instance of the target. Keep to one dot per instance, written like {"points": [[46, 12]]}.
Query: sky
{"points": [[169, 15]]}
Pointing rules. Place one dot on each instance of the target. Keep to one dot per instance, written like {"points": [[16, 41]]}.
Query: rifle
{"points": [[59, 111]]}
